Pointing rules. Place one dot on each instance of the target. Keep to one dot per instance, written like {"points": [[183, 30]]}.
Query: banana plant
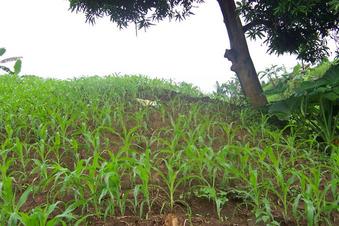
{"points": [[17, 65]]}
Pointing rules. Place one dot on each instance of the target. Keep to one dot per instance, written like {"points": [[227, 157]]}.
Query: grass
{"points": [[85, 151]]}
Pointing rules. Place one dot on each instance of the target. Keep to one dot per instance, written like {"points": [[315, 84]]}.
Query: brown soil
{"points": [[203, 211], [203, 214]]}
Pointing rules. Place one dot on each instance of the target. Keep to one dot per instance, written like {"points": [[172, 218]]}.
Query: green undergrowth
{"points": [[309, 98], [73, 151]]}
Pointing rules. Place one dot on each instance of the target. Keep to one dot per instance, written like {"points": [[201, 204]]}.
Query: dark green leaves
{"points": [[17, 66], [139, 12], [295, 27], [315, 103], [2, 51]]}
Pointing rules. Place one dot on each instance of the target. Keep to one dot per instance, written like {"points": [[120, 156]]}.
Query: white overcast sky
{"points": [[59, 44]]}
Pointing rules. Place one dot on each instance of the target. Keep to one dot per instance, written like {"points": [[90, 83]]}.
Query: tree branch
{"points": [[231, 55], [254, 23]]}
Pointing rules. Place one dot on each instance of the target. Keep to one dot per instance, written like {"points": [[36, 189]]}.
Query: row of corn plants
{"points": [[83, 149]]}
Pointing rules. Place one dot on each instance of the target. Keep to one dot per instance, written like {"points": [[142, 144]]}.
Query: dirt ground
{"points": [[203, 214]]}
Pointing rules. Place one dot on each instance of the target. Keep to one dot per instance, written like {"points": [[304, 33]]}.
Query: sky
{"points": [[56, 43]]}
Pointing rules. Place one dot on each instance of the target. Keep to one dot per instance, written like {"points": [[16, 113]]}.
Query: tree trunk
{"points": [[239, 55]]}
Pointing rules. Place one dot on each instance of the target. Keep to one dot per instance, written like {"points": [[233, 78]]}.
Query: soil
{"points": [[203, 211], [203, 214]]}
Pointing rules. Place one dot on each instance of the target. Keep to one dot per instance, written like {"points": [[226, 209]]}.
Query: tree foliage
{"points": [[140, 12], [295, 27]]}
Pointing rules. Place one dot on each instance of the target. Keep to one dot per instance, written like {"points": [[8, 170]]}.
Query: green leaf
{"points": [[25, 218], [6, 69], [23, 197], [278, 89], [295, 206], [82, 220], [2, 51], [13, 219], [281, 109], [332, 96], [297, 69], [68, 212], [52, 222], [17, 67], [52, 207], [310, 212]]}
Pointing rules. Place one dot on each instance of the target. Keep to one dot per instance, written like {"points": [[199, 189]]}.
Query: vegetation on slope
{"points": [[86, 151]]}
